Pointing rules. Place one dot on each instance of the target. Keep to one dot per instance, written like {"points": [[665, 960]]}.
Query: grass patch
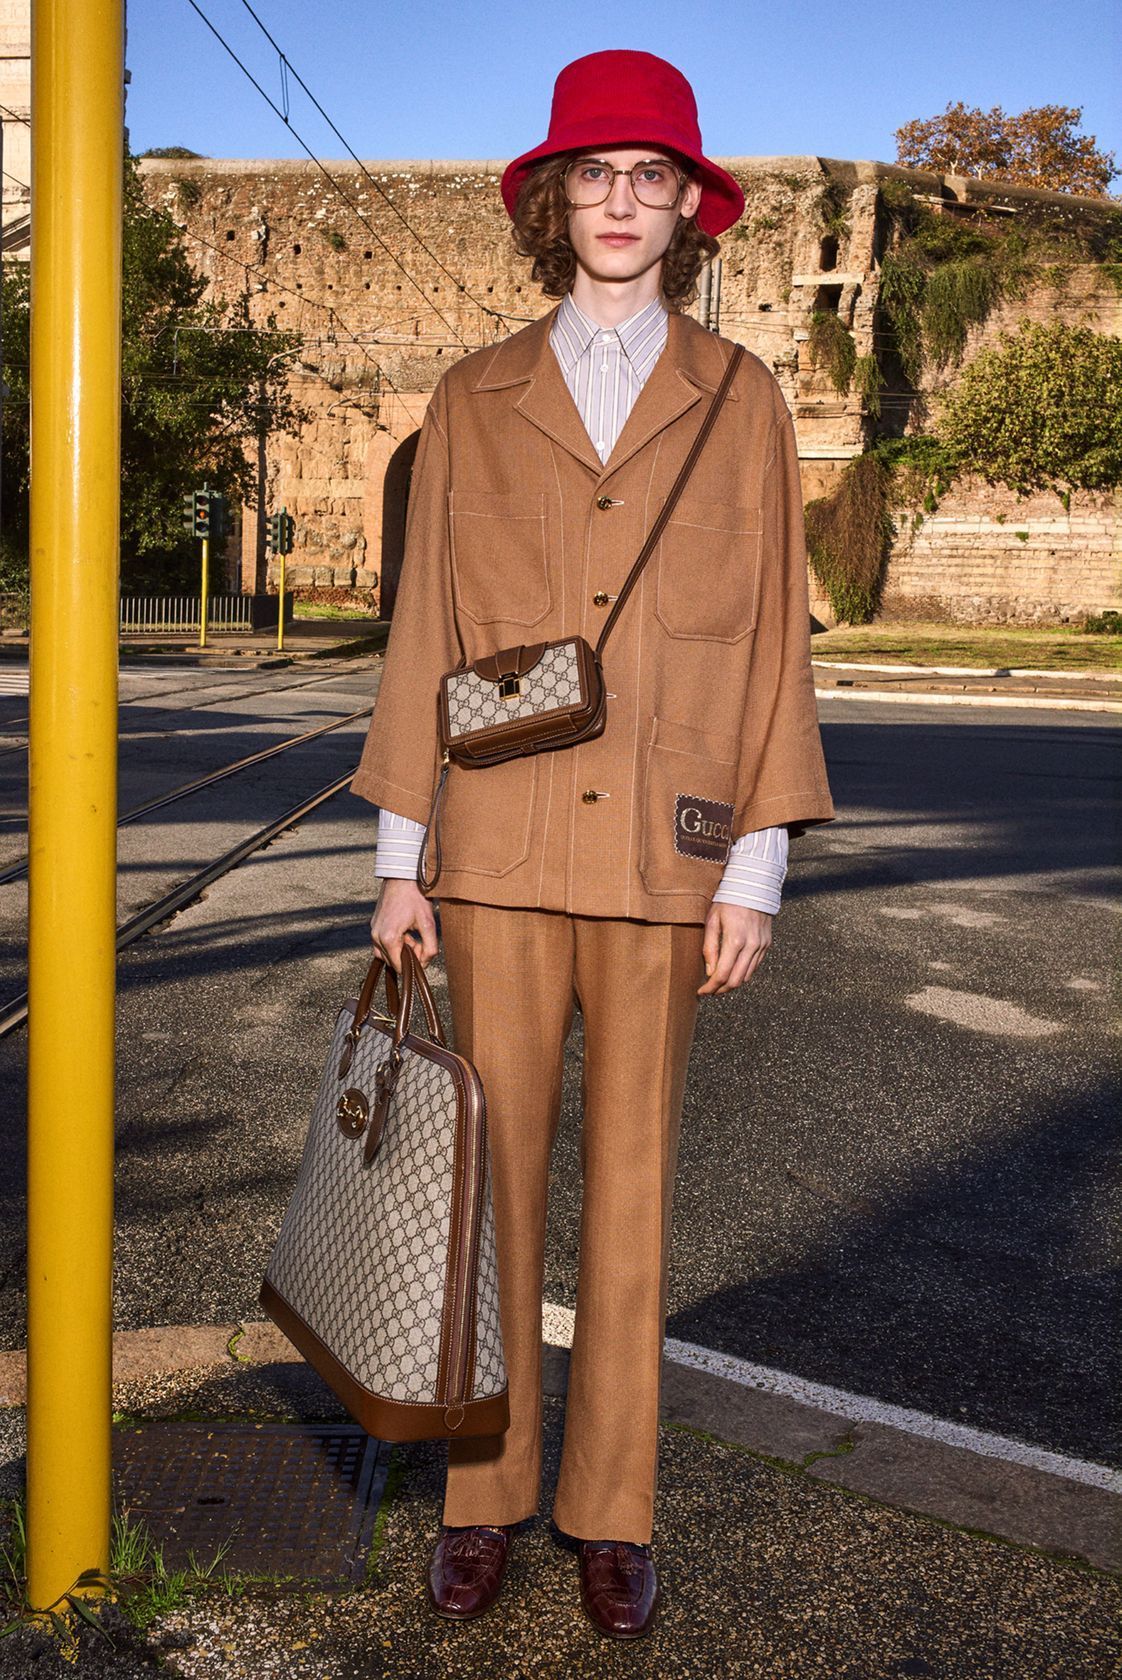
{"points": [[325, 609], [1056, 648], [140, 1586]]}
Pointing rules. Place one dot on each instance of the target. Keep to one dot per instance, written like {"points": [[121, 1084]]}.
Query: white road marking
{"points": [[14, 679], [981, 1013], [557, 1328]]}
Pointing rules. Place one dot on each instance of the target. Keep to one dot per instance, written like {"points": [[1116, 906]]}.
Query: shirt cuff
{"points": [[398, 847], [755, 871]]}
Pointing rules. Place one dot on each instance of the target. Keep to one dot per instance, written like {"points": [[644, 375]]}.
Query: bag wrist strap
{"points": [[678, 486]]}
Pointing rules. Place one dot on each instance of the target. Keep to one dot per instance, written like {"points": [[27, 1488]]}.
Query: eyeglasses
{"points": [[654, 182]]}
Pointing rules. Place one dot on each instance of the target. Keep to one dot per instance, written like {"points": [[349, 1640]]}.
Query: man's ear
{"points": [[691, 197]]}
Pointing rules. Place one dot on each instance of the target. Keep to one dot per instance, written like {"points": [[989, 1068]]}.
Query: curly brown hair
{"points": [[540, 231]]}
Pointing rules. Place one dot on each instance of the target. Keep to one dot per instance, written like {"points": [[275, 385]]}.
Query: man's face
{"points": [[621, 238]]}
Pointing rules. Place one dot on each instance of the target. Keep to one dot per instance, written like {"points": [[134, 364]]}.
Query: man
{"points": [[639, 872]]}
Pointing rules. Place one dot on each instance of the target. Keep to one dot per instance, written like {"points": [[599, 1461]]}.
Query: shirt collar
{"points": [[642, 336]]}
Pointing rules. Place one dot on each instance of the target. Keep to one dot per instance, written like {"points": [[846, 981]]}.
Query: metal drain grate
{"points": [[287, 1499]]}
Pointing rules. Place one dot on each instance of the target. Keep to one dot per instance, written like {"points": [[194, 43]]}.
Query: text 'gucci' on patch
{"points": [[702, 828]]}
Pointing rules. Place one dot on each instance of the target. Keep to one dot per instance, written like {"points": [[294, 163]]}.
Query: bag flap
{"points": [[509, 662]]}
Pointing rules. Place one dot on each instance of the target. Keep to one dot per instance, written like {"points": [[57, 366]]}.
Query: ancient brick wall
{"points": [[419, 268]]}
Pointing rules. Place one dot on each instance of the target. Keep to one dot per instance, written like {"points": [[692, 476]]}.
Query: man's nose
{"points": [[621, 198]]}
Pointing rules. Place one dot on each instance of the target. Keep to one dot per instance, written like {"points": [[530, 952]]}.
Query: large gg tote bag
{"points": [[384, 1273]]}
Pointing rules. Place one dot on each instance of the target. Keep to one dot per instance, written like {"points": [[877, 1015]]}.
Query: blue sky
{"points": [[474, 80]]}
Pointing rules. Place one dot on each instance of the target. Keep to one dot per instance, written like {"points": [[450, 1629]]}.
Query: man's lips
{"points": [[619, 238]]}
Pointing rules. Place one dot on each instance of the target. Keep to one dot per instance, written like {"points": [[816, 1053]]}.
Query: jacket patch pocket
{"points": [[500, 555], [485, 826], [687, 810], [709, 570]]}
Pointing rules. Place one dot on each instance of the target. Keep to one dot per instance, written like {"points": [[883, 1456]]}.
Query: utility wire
{"points": [[248, 268], [325, 172], [287, 69]]}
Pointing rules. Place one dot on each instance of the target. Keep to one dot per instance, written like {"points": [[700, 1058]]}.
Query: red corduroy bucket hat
{"points": [[630, 99]]}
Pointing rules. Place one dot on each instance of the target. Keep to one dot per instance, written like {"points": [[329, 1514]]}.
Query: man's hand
{"points": [[401, 906], [736, 938]]}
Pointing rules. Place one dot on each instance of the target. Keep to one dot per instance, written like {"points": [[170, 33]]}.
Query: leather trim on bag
{"points": [[387, 1420]]}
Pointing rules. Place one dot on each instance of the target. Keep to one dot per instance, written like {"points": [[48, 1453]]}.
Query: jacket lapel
{"points": [[690, 364]]}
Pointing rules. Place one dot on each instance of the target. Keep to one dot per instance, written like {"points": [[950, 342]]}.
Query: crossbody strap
{"points": [[678, 486]]}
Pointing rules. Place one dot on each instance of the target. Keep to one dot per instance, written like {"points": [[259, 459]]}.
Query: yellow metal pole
{"points": [[205, 585], [77, 57], [280, 619]]}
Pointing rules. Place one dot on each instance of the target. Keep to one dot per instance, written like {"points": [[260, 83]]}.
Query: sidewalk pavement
{"points": [[775, 1558], [1099, 691]]}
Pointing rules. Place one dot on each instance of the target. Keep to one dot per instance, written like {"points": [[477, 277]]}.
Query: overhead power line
{"points": [[287, 68], [315, 303], [325, 172]]}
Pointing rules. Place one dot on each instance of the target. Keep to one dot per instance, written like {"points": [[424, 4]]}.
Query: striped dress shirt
{"points": [[605, 369]]}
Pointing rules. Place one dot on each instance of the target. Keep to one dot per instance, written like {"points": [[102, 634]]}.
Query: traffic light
{"points": [[189, 513], [219, 521], [202, 513], [282, 531]]}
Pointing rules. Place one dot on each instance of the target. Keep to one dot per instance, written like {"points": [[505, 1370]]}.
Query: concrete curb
{"points": [[1012, 1501], [1056, 703]]}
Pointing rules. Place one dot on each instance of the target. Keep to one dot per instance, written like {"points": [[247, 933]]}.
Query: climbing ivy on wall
{"points": [[849, 534], [941, 275]]}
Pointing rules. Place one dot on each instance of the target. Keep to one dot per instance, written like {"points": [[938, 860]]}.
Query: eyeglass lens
{"points": [[590, 180]]}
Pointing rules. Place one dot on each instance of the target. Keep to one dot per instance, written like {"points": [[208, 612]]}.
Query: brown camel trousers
{"points": [[514, 976]]}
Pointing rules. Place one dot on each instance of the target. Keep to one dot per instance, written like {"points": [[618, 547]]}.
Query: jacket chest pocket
{"points": [[500, 555], [709, 570], [689, 792]]}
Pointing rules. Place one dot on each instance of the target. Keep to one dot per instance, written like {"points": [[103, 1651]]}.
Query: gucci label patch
{"points": [[702, 828]]}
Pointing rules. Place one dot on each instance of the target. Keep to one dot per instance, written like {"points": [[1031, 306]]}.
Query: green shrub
{"points": [[1041, 410]]}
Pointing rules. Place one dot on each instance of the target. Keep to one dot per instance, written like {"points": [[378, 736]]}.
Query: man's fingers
{"points": [[426, 927], [745, 966], [711, 946], [722, 968]]}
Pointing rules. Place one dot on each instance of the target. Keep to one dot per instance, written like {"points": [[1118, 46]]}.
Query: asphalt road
{"points": [[896, 1145]]}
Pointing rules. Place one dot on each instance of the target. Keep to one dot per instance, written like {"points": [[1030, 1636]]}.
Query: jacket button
{"points": [[603, 503], [600, 599], [590, 796]]}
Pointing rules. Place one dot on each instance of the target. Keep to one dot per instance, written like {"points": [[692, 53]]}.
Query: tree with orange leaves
{"points": [[1038, 148]]}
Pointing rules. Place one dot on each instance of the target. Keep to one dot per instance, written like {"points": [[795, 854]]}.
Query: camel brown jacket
{"points": [[517, 532]]}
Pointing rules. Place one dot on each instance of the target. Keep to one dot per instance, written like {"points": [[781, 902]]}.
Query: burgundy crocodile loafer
{"points": [[466, 1570], [618, 1586]]}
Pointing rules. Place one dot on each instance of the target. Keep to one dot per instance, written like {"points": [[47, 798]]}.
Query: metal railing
{"points": [[160, 614]]}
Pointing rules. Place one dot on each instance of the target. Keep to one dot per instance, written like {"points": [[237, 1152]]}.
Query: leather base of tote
{"points": [[384, 1274], [522, 700], [388, 1420]]}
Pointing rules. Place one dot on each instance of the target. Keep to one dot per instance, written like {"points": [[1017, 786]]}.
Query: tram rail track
{"points": [[16, 724], [14, 1013], [16, 871]]}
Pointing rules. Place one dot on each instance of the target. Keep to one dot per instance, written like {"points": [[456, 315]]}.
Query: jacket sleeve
{"points": [[781, 779], [401, 755]]}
